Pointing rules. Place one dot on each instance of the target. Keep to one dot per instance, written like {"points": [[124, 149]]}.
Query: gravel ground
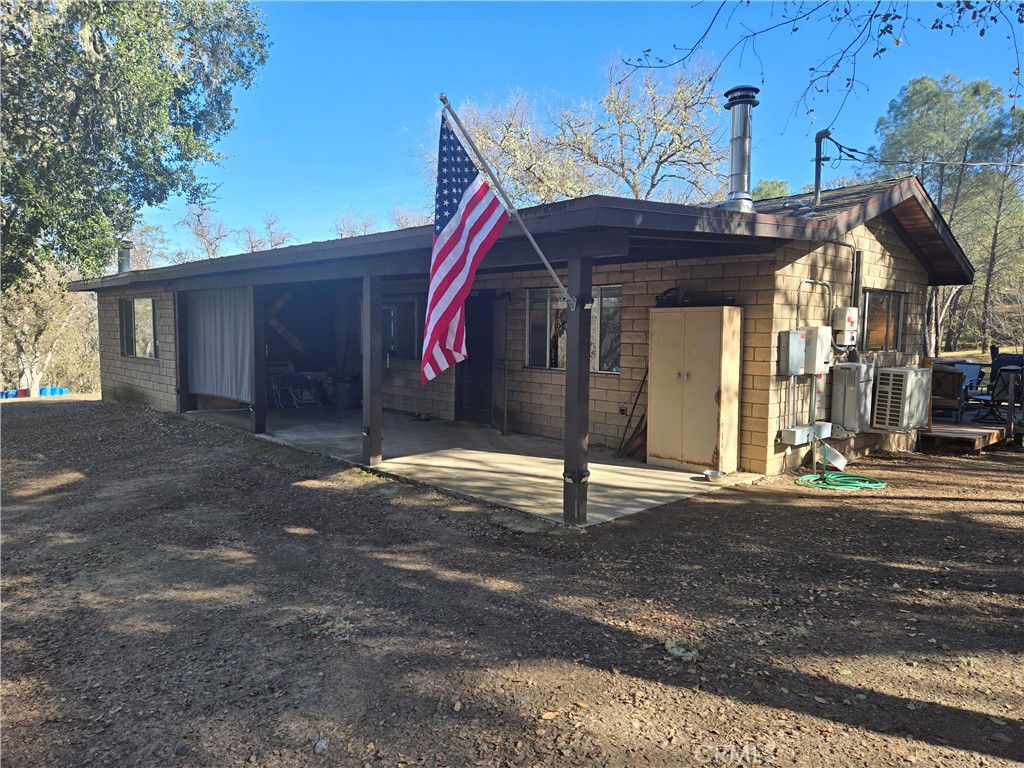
{"points": [[179, 594]]}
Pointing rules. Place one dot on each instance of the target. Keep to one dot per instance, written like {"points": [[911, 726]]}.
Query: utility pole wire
{"points": [[851, 156]]}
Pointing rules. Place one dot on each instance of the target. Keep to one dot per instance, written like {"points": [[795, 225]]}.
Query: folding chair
{"points": [[294, 390], [999, 395]]}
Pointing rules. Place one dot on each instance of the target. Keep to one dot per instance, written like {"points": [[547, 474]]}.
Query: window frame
{"points": [[389, 303], [554, 297], [129, 336], [894, 320]]}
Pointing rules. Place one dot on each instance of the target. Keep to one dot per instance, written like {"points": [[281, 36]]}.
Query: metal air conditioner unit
{"points": [[902, 398], [851, 396]]}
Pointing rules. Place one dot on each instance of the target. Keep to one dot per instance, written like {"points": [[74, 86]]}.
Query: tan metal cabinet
{"points": [[693, 399]]}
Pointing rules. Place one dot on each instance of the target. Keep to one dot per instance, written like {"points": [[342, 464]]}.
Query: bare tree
{"points": [[1007, 315], [403, 217], [210, 233], [521, 151], [649, 138], [269, 237], [353, 225]]}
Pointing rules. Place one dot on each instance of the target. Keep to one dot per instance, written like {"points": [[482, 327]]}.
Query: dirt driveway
{"points": [[179, 594]]}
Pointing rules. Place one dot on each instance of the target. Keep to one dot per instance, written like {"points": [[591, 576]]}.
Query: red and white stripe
{"points": [[458, 251]]}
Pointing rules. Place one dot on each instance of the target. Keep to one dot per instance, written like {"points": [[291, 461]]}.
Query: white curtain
{"points": [[220, 343]]}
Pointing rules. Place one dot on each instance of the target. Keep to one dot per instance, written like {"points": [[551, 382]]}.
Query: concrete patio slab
{"points": [[520, 472]]}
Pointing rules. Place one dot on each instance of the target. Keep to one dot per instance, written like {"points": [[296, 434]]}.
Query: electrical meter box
{"points": [[846, 324], [792, 352], [818, 349]]}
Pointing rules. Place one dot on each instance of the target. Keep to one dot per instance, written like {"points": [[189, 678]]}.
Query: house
{"points": [[201, 334]]}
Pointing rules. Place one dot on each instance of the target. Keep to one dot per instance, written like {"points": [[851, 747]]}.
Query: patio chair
{"points": [[288, 389], [275, 369], [972, 372], [999, 395], [294, 390]]}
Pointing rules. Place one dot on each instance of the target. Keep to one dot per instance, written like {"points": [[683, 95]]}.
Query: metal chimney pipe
{"points": [[819, 137], [741, 102], [124, 257]]}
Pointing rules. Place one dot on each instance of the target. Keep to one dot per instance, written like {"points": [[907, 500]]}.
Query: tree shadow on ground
{"points": [[242, 587]]}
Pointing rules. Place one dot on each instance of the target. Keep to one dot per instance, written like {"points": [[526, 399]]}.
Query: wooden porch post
{"points": [[373, 350], [576, 475], [259, 361]]}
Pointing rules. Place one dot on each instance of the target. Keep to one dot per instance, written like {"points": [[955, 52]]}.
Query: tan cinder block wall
{"points": [[536, 396], [404, 390], [152, 382], [765, 286], [887, 265]]}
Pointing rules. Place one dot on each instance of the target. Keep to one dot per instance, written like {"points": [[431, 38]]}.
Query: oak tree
{"points": [[107, 108]]}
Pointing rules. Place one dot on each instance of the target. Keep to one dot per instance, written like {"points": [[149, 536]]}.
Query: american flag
{"points": [[468, 217]]}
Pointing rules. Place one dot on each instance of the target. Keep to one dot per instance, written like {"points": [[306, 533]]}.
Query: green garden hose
{"points": [[840, 481]]}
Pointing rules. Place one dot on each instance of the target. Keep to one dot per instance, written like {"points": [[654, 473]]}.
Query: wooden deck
{"points": [[964, 435]]}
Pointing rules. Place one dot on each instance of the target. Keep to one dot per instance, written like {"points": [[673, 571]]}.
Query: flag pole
{"points": [[513, 212]]}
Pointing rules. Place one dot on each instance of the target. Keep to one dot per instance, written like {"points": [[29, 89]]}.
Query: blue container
{"points": [[64, 391], [45, 391]]}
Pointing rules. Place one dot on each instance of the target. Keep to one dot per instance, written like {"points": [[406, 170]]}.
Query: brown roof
{"points": [[648, 230], [833, 201], [903, 202]]}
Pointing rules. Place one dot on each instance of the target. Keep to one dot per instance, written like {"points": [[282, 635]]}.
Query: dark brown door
{"points": [[473, 375]]}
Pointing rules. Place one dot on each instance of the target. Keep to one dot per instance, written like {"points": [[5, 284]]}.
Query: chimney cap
{"points": [[742, 94]]}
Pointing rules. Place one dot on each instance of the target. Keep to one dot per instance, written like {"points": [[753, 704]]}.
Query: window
{"points": [[605, 327], [883, 321], [403, 327], [138, 324], [548, 315]]}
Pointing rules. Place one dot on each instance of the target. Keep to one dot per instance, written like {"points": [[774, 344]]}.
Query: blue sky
{"points": [[337, 119]]}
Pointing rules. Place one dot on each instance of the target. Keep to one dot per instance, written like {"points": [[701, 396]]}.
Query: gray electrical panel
{"points": [[792, 353]]}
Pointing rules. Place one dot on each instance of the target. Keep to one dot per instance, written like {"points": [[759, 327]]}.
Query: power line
{"points": [[849, 154]]}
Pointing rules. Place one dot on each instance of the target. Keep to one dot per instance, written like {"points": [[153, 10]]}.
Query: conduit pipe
{"points": [[831, 305], [858, 276], [799, 291]]}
